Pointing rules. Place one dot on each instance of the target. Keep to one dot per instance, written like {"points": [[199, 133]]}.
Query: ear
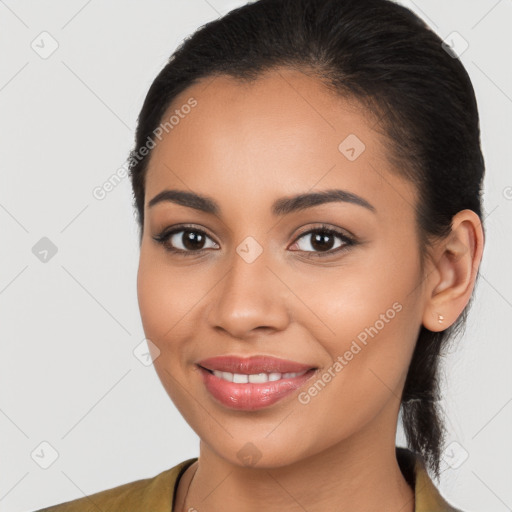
{"points": [[452, 274]]}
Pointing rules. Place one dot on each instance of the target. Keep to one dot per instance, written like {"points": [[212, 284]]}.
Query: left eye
{"points": [[323, 240]]}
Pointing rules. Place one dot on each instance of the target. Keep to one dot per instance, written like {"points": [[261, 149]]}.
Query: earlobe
{"points": [[456, 261]]}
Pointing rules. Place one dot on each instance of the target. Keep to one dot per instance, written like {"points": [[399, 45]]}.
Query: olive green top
{"points": [[156, 494]]}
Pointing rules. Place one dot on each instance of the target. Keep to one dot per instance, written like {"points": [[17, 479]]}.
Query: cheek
{"points": [[149, 295], [368, 364], [345, 305], [163, 314], [159, 297], [370, 289], [165, 295], [369, 319]]}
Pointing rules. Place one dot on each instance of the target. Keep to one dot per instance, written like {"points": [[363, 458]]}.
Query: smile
{"points": [[255, 378]]}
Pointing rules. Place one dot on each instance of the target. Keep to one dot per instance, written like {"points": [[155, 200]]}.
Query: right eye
{"points": [[190, 238]]}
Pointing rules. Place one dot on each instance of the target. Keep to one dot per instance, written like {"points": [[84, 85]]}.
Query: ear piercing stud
{"points": [[440, 318]]}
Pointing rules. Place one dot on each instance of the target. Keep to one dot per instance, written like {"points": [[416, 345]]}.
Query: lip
{"points": [[251, 396], [253, 364]]}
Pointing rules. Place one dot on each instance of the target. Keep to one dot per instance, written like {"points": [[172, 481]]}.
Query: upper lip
{"points": [[253, 365]]}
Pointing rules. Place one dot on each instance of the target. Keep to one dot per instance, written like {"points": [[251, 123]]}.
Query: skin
{"points": [[246, 145]]}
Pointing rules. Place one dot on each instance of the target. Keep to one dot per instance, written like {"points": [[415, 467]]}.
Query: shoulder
{"points": [[156, 492]]}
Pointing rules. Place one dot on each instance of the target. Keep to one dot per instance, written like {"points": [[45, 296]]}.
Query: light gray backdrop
{"points": [[79, 411]]}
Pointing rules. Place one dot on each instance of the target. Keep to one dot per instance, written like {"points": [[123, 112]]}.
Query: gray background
{"points": [[69, 326]]}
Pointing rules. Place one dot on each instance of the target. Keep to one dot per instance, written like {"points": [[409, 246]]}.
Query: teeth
{"points": [[257, 378]]}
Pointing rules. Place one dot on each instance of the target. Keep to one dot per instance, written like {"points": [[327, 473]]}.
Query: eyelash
{"points": [[164, 236]]}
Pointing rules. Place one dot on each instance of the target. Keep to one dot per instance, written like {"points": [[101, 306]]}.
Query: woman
{"points": [[307, 176]]}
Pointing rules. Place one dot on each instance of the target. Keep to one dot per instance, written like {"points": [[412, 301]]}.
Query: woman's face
{"points": [[248, 280]]}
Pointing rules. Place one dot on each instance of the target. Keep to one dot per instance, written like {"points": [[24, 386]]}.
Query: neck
{"points": [[359, 474]]}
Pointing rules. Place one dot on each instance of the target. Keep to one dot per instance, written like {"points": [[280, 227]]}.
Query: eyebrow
{"points": [[282, 206]]}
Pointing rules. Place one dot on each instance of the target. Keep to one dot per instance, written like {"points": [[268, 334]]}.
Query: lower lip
{"points": [[251, 396]]}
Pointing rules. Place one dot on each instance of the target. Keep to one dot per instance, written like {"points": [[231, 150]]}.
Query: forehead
{"points": [[283, 133]]}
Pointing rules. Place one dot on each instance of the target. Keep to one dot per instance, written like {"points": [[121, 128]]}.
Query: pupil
{"points": [[320, 241], [192, 240]]}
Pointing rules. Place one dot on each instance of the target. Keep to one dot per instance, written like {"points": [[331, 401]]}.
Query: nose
{"points": [[249, 299]]}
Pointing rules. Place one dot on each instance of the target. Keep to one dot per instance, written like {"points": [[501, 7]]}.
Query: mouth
{"points": [[253, 391]]}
